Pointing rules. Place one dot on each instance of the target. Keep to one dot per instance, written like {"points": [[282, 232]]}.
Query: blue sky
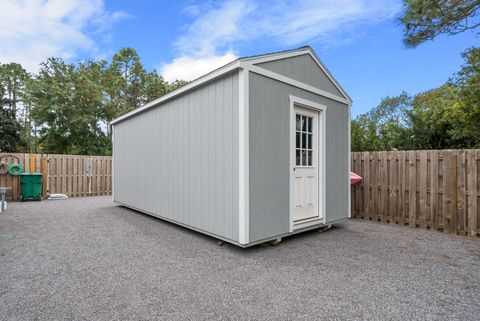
{"points": [[358, 40]]}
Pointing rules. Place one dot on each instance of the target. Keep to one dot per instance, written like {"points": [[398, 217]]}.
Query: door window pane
{"points": [[303, 140], [304, 158]]}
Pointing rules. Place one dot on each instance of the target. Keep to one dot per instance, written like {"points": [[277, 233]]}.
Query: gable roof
{"points": [[242, 62]]}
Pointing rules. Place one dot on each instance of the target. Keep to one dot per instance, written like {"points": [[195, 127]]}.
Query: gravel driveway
{"points": [[88, 259]]}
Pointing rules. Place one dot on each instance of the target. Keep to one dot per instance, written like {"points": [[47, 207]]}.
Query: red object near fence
{"points": [[354, 178]]}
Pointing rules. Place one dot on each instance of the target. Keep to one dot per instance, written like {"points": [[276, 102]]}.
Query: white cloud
{"points": [[214, 26], [33, 30], [219, 27], [189, 68]]}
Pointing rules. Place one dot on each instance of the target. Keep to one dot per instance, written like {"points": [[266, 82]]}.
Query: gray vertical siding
{"points": [[179, 160], [270, 151], [304, 69]]}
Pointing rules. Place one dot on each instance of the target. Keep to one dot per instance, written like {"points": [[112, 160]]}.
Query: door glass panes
{"points": [[304, 158], [303, 140]]}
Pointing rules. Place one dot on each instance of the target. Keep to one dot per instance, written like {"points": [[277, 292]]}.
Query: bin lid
{"points": [[34, 174]]}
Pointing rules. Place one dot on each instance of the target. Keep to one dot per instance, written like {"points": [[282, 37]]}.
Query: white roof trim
{"points": [[296, 83], [239, 63], [299, 52], [197, 82]]}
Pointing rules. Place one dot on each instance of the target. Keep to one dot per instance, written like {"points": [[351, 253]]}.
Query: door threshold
{"points": [[307, 222]]}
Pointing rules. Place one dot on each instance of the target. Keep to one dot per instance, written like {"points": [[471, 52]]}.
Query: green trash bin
{"points": [[31, 186]]}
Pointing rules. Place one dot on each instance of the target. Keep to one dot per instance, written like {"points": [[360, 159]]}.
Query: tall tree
{"points": [[177, 84], [155, 86], [13, 79], [10, 140], [128, 87], [430, 122], [466, 115], [423, 20], [67, 105], [384, 127]]}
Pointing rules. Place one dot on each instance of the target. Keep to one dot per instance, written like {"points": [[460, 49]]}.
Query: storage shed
{"points": [[251, 152]]}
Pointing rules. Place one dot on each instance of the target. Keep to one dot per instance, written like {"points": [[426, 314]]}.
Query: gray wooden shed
{"points": [[251, 152]]}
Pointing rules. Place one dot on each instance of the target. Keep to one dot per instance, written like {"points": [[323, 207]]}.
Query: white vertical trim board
{"points": [[349, 162], [113, 164], [243, 157], [291, 207], [321, 159]]}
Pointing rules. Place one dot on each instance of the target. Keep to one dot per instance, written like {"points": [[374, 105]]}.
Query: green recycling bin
{"points": [[31, 187]]}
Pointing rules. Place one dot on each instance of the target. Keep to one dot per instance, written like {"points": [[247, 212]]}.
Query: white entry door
{"points": [[305, 171]]}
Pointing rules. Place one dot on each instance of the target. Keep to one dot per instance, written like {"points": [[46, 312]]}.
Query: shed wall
{"points": [[179, 160], [269, 150], [304, 69]]}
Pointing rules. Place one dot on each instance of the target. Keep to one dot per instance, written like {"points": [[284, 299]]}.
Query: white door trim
{"points": [[297, 101]]}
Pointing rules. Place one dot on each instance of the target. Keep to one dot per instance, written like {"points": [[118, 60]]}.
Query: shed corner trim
{"points": [[243, 157]]}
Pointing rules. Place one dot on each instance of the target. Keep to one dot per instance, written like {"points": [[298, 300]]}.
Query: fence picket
{"points": [[434, 189], [472, 179]]}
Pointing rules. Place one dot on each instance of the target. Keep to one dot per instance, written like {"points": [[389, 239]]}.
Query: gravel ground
{"points": [[88, 259]]}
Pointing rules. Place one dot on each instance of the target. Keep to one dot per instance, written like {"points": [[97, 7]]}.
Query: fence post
{"points": [[454, 212], [89, 175], [44, 170], [412, 188], [32, 163]]}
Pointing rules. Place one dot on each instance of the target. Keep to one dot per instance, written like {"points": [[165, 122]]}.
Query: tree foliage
{"points": [[444, 117], [67, 102], [13, 79], [67, 108], [423, 20], [10, 140]]}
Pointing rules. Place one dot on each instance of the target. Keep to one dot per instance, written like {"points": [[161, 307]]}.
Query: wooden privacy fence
{"points": [[74, 175], [433, 189]]}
